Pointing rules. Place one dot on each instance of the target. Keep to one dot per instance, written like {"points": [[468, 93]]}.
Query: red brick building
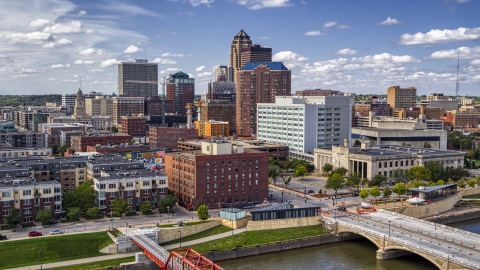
{"points": [[154, 105], [258, 82], [221, 174], [166, 137], [115, 149], [180, 90], [80, 143], [461, 120], [134, 126]]}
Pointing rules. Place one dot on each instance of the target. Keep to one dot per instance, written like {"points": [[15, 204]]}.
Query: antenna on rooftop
{"points": [[457, 89]]}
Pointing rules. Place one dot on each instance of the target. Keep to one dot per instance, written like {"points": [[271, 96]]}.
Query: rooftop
{"points": [[24, 182], [270, 65], [247, 144], [395, 150], [428, 189]]}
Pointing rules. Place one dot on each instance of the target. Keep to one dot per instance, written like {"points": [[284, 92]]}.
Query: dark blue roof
{"points": [[270, 65]]}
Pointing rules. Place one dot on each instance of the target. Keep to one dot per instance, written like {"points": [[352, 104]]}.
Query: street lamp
{"points": [[180, 238], [305, 194], [168, 214], [389, 223], [436, 217], [282, 196], [41, 259]]}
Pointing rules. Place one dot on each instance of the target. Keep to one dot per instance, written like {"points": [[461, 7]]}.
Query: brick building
{"points": [[134, 126], [380, 109], [460, 121], [80, 143], [181, 90], [317, 92], [212, 128], [117, 148], [154, 105], [167, 137], [219, 110], [220, 174], [258, 82], [29, 197]]}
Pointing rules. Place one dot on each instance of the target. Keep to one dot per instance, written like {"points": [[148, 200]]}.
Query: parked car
{"points": [[3, 237], [310, 191], [337, 196], [34, 234], [355, 194], [57, 232]]}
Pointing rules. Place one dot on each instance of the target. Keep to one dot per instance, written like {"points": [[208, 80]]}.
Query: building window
{"points": [[146, 183], [130, 184], [27, 192], [6, 194], [112, 185], [380, 165]]}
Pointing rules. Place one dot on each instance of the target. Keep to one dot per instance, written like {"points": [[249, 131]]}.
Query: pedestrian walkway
{"points": [[79, 261], [205, 239]]}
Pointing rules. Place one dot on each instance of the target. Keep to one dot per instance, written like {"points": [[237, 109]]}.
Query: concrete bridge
{"points": [[397, 235]]}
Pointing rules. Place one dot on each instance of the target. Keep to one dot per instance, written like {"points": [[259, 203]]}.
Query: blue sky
{"points": [[47, 46]]}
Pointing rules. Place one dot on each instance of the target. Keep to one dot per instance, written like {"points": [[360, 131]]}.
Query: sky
{"points": [[54, 46]]}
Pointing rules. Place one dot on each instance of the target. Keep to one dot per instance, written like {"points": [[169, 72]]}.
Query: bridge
{"points": [[398, 235], [182, 259]]}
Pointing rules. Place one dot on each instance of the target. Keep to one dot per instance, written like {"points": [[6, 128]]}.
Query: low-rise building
{"points": [[220, 174], [80, 143], [165, 137], [11, 153], [25, 139], [212, 128], [135, 126], [117, 148], [460, 121]]}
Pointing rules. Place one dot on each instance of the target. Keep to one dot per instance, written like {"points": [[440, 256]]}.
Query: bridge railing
{"points": [[433, 224], [405, 243], [153, 248]]}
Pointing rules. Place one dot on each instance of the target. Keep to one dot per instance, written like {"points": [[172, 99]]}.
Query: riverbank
{"points": [[455, 215]]}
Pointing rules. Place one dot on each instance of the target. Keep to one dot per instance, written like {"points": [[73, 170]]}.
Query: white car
{"points": [[52, 232]]}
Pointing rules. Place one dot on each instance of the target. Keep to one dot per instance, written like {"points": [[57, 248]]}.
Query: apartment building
{"points": [[166, 137], [134, 126], [127, 106], [80, 143], [25, 139], [219, 110]]}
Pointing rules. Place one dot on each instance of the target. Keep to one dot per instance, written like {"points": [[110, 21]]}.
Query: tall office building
{"points": [[181, 89], [138, 79], [221, 88], [258, 82], [399, 98], [255, 53], [225, 71], [127, 106], [100, 105]]}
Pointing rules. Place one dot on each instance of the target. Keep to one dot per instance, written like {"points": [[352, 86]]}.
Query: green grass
{"points": [[251, 238], [54, 249], [213, 231], [115, 263], [184, 224], [476, 196], [116, 233]]}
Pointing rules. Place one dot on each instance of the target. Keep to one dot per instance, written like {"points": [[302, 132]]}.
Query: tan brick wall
{"points": [[282, 223], [429, 209], [236, 223], [170, 234], [469, 191]]}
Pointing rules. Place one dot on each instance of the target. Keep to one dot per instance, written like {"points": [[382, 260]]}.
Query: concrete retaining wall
{"points": [[470, 191], [282, 223], [278, 246], [170, 234], [429, 209], [236, 223], [125, 245], [457, 218]]}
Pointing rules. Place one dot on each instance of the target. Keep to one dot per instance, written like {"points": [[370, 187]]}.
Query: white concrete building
{"points": [[305, 123]]}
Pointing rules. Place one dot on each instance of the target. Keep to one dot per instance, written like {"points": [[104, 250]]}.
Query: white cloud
{"points": [[462, 1], [289, 58], [200, 68], [95, 70], [204, 74], [475, 62], [390, 21], [201, 2], [164, 61], [109, 62], [329, 24], [91, 51], [86, 62], [346, 51], [171, 69], [33, 36], [264, 37], [60, 66], [344, 26], [82, 12], [441, 36], [384, 60], [39, 23], [131, 49], [259, 4], [465, 53], [64, 28], [117, 6], [313, 33], [51, 79], [64, 41], [171, 55]]}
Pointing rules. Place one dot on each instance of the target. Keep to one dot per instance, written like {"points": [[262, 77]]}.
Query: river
{"points": [[355, 254]]}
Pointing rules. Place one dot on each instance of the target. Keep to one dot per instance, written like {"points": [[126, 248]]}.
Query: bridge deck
{"points": [[414, 234]]}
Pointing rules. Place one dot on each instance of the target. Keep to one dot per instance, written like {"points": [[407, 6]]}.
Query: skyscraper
{"points": [[224, 71], [255, 53], [258, 82], [138, 79], [181, 89]]}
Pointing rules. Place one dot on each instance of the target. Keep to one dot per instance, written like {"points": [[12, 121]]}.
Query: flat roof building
{"points": [[138, 79]]}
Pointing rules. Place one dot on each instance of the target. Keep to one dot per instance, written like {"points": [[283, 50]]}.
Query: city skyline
{"points": [[342, 45]]}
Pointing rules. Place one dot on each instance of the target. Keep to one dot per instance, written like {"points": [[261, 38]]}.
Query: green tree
{"points": [[365, 181], [437, 171], [364, 194], [202, 212], [74, 214], [45, 217], [432, 183], [387, 192], [286, 179], [377, 180], [167, 201], [83, 196], [353, 180], [450, 181], [419, 173], [400, 175], [461, 183], [477, 180], [114, 129], [335, 182], [320, 191], [273, 173], [457, 173], [14, 217], [272, 161], [375, 191], [357, 143], [62, 150], [300, 171], [93, 212], [440, 182], [340, 170], [54, 149], [120, 206], [471, 183], [400, 190], [327, 168], [146, 208]]}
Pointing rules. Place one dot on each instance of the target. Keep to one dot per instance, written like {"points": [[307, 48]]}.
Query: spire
{"points": [[242, 34]]}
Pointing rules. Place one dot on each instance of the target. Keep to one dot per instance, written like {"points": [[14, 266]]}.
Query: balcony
{"points": [[154, 185], [37, 195], [121, 188], [37, 204]]}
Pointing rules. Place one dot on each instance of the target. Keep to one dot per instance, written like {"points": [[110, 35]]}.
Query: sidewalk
{"points": [[79, 261], [205, 239]]}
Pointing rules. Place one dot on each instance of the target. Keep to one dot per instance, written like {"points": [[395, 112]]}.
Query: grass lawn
{"points": [[476, 196], [184, 224], [213, 231], [54, 249], [251, 238], [115, 263]]}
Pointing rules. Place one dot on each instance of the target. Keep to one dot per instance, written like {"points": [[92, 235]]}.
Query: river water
{"points": [[355, 254]]}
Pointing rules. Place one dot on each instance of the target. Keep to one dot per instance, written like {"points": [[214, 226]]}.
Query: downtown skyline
{"points": [[349, 46]]}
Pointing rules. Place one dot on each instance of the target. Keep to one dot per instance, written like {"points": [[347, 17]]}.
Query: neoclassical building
{"points": [[383, 159]]}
